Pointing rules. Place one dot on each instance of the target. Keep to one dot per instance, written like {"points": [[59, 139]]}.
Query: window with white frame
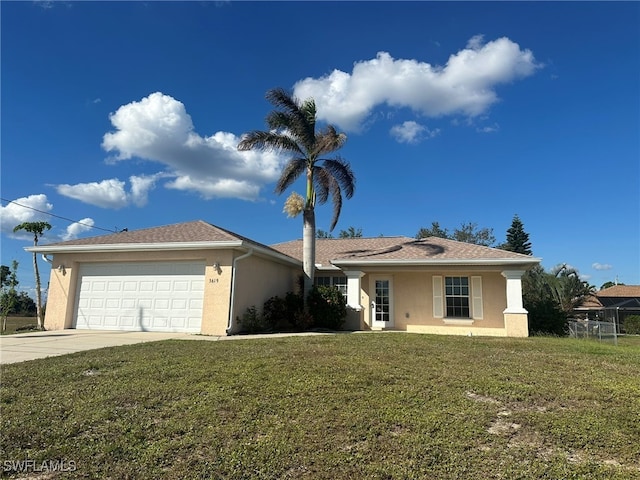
{"points": [[338, 281], [457, 297]]}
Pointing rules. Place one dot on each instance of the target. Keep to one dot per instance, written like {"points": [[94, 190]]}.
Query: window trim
{"points": [[447, 296], [476, 299], [342, 285]]}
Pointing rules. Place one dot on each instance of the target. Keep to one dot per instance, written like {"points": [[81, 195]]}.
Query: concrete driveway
{"points": [[29, 346]]}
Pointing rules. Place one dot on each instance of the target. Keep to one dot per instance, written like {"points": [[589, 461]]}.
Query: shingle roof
{"points": [[590, 302], [620, 291], [180, 233], [400, 249]]}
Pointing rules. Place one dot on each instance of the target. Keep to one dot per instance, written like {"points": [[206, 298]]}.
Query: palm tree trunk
{"points": [[308, 249], [38, 293]]}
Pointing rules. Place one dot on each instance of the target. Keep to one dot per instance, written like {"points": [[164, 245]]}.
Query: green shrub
{"points": [[632, 324], [327, 307], [284, 313], [545, 317], [252, 321], [274, 313]]}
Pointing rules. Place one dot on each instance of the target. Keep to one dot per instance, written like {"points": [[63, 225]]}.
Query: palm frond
{"points": [[336, 197], [264, 141], [278, 97], [322, 183], [277, 120], [290, 174], [298, 118], [327, 185], [329, 140], [341, 171]]}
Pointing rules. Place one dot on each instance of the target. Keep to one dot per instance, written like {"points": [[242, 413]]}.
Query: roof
{"points": [[180, 236], [403, 250], [621, 296], [626, 291], [196, 231]]}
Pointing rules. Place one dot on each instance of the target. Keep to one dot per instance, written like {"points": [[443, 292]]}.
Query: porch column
{"points": [[514, 291], [353, 288], [515, 316]]}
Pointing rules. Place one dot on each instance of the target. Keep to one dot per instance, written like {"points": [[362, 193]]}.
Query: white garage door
{"points": [[158, 297]]}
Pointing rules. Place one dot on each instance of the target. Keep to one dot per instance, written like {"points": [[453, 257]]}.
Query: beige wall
{"points": [[413, 303], [257, 279]]}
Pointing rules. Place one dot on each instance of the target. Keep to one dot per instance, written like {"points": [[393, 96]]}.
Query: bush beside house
{"points": [[327, 309]]}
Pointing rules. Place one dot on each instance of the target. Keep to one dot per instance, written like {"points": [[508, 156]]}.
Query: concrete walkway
{"points": [[30, 346]]}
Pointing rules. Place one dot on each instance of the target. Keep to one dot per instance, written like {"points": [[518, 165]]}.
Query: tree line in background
{"points": [[13, 302]]}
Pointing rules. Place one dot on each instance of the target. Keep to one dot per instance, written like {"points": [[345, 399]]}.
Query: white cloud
{"points": [[412, 132], [488, 129], [106, 194], [77, 228], [601, 266], [22, 210], [111, 193], [140, 187], [159, 129], [464, 86]]}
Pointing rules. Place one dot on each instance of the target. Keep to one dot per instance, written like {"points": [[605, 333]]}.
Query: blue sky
{"points": [[126, 115]]}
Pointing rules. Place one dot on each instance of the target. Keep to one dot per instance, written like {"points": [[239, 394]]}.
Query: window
{"points": [[340, 282], [457, 297]]}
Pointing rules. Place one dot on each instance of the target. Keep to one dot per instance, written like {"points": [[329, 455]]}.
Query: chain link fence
{"points": [[594, 330]]}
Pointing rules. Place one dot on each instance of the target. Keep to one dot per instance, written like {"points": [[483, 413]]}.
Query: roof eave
{"points": [[134, 247], [526, 263], [165, 246]]}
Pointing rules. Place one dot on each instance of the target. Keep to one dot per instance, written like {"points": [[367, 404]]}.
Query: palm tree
{"points": [[292, 129], [568, 289], [38, 229]]}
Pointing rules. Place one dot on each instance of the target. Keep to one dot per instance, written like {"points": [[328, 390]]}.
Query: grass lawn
{"points": [[14, 323], [353, 406]]}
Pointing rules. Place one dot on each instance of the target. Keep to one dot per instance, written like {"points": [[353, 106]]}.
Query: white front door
{"points": [[382, 302]]}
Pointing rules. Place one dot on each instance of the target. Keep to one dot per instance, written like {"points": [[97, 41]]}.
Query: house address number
{"points": [[213, 280]]}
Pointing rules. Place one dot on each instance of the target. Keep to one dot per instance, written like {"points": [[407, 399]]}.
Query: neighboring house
{"points": [[196, 277], [431, 285], [611, 304]]}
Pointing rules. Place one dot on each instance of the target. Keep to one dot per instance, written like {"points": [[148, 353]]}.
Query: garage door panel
{"points": [[162, 304], [141, 296], [112, 303], [181, 286], [96, 303]]}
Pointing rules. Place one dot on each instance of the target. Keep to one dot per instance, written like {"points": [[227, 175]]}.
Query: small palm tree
{"points": [[568, 289], [292, 129], [38, 229]]}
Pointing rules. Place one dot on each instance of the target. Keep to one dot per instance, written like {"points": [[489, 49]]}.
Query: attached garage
{"points": [[157, 297]]}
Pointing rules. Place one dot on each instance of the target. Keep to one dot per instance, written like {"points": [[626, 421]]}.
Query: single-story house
{"points": [[196, 277], [611, 304]]}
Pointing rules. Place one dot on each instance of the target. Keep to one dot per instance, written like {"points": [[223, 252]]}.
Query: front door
{"points": [[382, 302]]}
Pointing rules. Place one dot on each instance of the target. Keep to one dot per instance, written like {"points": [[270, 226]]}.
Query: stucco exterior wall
{"points": [[413, 303], [63, 283], [257, 280]]}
